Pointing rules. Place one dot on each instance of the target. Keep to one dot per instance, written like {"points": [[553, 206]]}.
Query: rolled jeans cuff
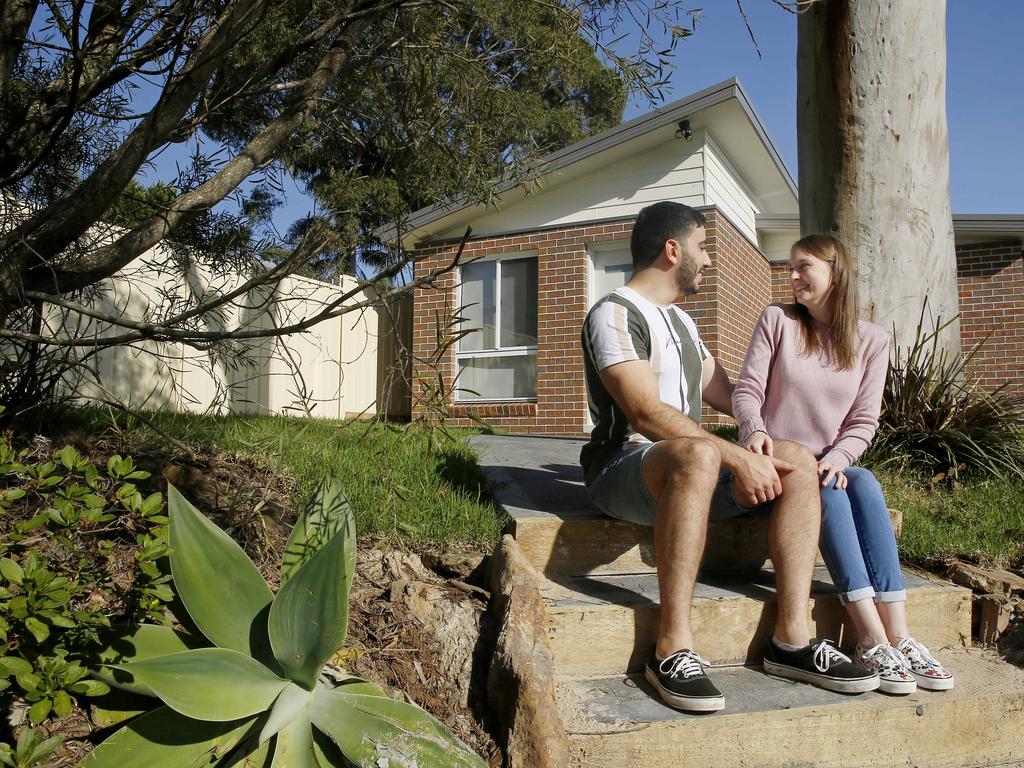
{"points": [[899, 596], [864, 593]]}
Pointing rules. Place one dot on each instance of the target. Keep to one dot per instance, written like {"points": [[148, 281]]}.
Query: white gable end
{"points": [[674, 170]]}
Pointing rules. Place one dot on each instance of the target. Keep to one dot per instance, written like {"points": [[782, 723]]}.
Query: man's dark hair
{"points": [[657, 223]]}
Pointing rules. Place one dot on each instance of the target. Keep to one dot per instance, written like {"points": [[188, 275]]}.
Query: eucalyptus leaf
{"points": [[165, 739], [220, 587], [209, 683], [324, 515], [131, 644], [371, 729], [309, 616]]}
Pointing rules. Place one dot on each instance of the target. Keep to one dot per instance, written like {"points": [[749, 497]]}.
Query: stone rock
{"points": [[995, 614], [460, 564], [520, 685], [987, 580]]}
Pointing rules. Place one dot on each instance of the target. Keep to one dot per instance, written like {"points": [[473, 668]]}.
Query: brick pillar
{"points": [[734, 292]]}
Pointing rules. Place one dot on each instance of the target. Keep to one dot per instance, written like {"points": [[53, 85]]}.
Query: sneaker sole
{"points": [[685, 703], [934, 683], [837, 684], [900, 687]]}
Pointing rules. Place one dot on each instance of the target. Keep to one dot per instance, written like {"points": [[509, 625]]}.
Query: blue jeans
{"points": [[857, 541]]}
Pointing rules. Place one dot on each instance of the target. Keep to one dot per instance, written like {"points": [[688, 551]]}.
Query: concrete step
{"points": [[606, 624], [619, 722]]}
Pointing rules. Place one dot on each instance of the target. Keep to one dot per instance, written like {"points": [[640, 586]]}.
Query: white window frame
{"points": [[498, 351]]}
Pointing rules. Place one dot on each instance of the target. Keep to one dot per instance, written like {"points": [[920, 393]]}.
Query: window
{"points": [[498, 361]]}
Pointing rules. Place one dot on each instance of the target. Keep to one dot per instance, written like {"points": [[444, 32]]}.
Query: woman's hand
{"points": [[760, 442], [830, 473]]}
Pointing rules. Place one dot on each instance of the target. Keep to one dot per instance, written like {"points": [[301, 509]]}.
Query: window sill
{"points": [[485, 409]]}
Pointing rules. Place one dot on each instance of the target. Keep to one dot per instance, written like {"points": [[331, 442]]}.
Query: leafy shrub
{"points": [[62, 521], [260, 693], [936, 416], [31, 749]]}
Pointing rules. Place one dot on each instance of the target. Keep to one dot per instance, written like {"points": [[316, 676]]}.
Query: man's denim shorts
{"points": [[619, 491]]}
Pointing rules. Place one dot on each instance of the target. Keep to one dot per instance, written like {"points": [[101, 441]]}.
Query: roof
{"points": [[426, 221]]}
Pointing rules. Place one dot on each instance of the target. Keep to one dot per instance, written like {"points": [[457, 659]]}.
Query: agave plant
{"points": [[252, 690]]}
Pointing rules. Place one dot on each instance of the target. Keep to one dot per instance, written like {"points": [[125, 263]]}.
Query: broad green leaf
{"points": [[209, 683], [293, 747], [11, 570], [309, 616], [289, 704], [39, 630], [14, 665], [117, 707], [131, 644], [38, 711], [326, 513], [165, 739], [61, 704], [220, 587], [372, 730]]}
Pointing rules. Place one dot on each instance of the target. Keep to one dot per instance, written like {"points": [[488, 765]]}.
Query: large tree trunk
{"points": [[874, 152]]}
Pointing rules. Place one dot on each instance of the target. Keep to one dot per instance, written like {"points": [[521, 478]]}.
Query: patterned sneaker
{"points": [[925, 668], [682, 684], [819, 664], [891, 667]]}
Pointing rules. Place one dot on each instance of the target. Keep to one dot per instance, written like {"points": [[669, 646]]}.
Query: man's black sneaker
{"points": [[682, 684], [819, 664]]}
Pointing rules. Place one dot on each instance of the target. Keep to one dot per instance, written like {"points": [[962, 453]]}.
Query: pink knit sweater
{"points": [[804, 399]]}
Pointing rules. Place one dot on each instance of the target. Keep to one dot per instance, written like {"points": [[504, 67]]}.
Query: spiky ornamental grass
{"points": [[258, 696], [937, 417]]}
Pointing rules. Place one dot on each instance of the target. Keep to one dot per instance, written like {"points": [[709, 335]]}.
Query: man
{"points": [[650, 462]]}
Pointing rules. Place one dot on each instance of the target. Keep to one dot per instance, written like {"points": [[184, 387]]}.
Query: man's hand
{"points": [[760, 442], [756, 478]]}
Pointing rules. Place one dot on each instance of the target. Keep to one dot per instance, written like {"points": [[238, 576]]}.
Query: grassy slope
{"points": [[397, 488], [396, 485]]}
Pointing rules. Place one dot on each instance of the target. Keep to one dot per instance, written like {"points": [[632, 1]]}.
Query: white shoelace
{"points": [[887, 658], [825, 655], [684, 664], [925, 654]]}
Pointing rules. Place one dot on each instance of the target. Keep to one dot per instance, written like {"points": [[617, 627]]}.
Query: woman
{"points": [[814, 374]]}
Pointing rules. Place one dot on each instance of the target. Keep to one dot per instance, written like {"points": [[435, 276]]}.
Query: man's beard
{"points": [[686, 276]]}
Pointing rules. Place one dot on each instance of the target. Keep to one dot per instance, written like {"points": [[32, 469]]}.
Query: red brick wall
{"points": [[562, 299], [990, 278], [732, 295], [734, 291], [782, 291]]}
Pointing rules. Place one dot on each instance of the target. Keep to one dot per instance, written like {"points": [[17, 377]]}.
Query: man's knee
{"points": [[699, 455], [797, 455]]}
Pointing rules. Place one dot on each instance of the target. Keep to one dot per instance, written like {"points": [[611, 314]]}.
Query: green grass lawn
{"points": [[395, 484], [983, 519]]}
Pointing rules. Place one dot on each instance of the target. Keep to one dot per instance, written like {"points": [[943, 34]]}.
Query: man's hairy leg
{"points": [[793, 541], [681, 475]]}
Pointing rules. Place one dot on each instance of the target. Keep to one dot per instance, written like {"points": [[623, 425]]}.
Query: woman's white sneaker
{"points": [[892, 669], [925, 668]]}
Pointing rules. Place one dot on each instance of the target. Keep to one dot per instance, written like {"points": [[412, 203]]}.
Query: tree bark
{"points": [[873, 147]]}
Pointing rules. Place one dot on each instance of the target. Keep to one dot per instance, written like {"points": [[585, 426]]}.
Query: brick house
{"points": [[548, 252]]}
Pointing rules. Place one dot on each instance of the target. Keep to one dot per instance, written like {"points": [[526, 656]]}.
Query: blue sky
{"points": [[985, 93]]}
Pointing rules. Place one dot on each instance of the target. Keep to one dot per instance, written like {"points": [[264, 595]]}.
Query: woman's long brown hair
{"points": [[841, 341]]}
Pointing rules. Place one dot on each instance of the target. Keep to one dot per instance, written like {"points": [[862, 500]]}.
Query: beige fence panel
{"points": [[340, 367]]}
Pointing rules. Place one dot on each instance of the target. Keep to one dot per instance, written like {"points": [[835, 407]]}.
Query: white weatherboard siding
{"points": [[674, 170], [727, 190]]}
